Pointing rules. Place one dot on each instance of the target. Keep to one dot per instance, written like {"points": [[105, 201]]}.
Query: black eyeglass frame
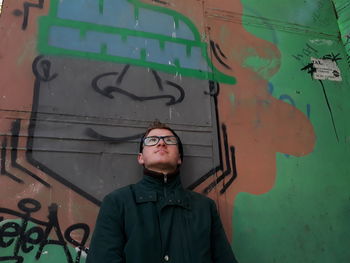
{"points": [[160, 138], [179, 144]]}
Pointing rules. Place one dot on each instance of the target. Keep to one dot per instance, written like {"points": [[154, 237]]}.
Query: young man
{"points": [[157, 220]]}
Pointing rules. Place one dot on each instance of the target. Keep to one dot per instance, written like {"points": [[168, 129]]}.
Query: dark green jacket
{"points": [[153, 221]]}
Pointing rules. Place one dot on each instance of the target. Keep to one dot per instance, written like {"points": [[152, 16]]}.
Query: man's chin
{"points": [[162, 167]]}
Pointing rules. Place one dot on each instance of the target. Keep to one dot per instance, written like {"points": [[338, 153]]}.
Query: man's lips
{"points": [[161, 151]]}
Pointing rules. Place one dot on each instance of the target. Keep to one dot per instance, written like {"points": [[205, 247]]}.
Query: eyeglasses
{"points": [[153, 140]]}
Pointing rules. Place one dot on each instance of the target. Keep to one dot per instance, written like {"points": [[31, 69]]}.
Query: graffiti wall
{"points": [[342, 9], [257, 91]]}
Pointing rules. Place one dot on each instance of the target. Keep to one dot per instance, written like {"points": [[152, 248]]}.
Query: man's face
{"points": [[160, 157]]}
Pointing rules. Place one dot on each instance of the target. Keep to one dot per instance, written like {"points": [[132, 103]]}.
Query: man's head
{"points": [[160, 149]]}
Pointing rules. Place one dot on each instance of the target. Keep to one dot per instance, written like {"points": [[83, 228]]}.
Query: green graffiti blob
{"points": [[52, 20]]}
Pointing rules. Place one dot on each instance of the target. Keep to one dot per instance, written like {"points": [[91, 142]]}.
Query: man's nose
{"points": [[161, 142]]}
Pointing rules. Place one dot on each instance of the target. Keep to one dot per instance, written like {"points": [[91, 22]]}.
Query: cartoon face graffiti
{"points": [[93, 89]]}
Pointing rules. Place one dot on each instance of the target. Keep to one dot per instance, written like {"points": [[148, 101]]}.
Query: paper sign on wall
{"points": [[326, 69]]}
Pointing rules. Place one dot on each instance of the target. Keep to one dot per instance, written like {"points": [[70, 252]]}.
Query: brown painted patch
{"points": [[258, 125], [18, 50]]}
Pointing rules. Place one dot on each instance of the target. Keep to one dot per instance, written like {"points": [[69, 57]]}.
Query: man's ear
{"points": [[140, 159], [179, 161]]}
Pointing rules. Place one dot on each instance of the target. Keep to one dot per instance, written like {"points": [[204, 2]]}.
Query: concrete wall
{"points": [[257, 91]]}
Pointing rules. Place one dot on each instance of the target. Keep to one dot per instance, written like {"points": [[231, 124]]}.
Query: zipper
{"points": [[165, 181]]}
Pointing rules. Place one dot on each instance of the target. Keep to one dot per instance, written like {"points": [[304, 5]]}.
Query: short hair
{"points": [[158, 125]]}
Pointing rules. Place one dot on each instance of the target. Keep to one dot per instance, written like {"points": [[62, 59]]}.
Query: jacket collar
{"points": [[151, 189], [160, 176]]}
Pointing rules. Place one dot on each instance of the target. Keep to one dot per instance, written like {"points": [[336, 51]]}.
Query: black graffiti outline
{"points": [[307, 51], [121, 91], [347, 39], [3, 170], [158, 79], [161, 2], [16, 126], [106, 91], [214, 47], [214, 90], [44, 65], [122, 75], [329, 109], [26, 9], [23, 235], [333, 57], [47, 77], [92, 133], [18, 259], [234, 171], [220, 51], [310, 69], [231, 167]]}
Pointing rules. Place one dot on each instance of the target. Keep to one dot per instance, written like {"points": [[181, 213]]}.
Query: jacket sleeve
{"points": [[221, 250], [108, 239]]}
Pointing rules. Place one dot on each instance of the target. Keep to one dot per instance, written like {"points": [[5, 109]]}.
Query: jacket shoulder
{"points": [[200, 199], [198, 196], [119, 194]]}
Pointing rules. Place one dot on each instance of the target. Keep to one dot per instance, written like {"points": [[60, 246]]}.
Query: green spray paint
{"points": [[305, 217], [45, 23], [100, 6], [342, 8]]}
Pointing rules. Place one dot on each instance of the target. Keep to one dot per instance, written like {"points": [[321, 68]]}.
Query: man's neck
{"points": [[162, 170]]}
